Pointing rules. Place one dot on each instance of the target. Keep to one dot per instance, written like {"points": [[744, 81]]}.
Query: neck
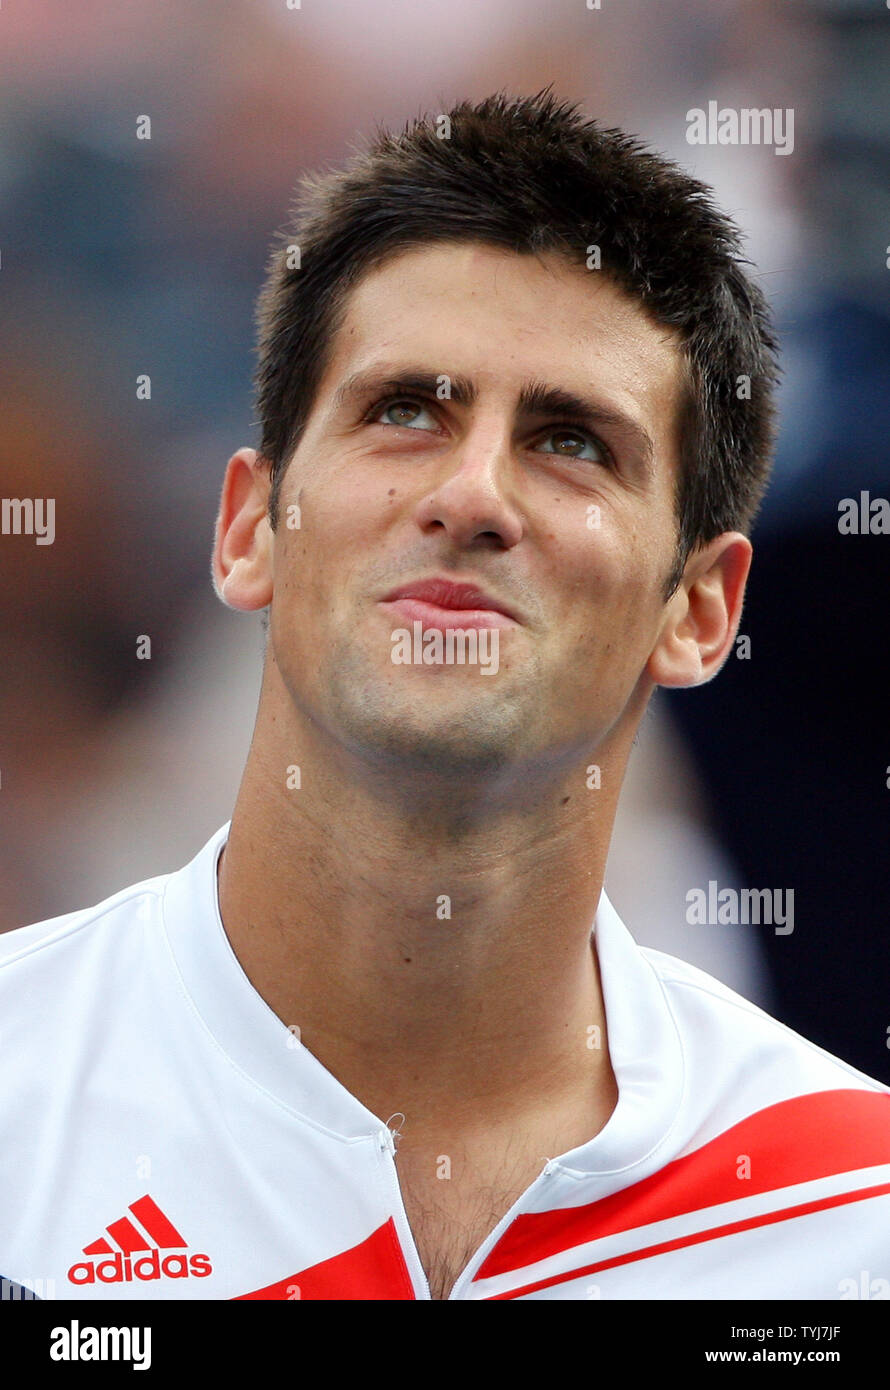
{"points": [[434, 948]]}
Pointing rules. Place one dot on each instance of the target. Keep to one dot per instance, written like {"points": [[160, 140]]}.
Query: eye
{"points": [[400, 404], [572, 438]]}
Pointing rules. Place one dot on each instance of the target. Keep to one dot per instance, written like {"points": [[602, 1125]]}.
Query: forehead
{"points": [[502, 317]]}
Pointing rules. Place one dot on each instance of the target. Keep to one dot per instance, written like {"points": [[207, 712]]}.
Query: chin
{"points": [[451, 745]]}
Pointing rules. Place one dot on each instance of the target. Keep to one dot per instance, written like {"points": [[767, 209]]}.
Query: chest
{"points": [[452, 1206]]}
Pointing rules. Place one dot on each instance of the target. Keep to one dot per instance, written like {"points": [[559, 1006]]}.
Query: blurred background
{"points": [[121, 256]]}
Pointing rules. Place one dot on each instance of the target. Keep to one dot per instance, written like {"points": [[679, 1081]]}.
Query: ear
{"points": [[702, 618], [242, 546]]}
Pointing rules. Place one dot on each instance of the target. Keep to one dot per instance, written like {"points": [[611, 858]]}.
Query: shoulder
{"points": [[747, 1071], [118, 921], [41, 943], [707, 1010]]}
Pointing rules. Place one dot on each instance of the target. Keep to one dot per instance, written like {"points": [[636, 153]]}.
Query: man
{"points": [[385, 1037]]}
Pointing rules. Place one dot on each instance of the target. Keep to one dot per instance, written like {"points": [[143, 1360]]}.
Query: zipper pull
{"points": [[394, 1134]]}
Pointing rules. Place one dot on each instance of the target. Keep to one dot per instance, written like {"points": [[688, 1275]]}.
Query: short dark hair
{"points": [[532, 175]]}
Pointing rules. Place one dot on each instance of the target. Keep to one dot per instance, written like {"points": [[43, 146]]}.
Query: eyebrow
{"points": [[536, 398]]}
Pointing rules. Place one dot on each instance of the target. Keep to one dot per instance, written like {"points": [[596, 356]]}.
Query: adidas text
{"points": [[120, 1268]]}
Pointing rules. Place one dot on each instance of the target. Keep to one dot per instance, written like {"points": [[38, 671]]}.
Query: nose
{"points": [[473, 496]]}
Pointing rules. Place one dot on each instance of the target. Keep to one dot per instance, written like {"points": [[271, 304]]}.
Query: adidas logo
{"points": [[138, 1252]]}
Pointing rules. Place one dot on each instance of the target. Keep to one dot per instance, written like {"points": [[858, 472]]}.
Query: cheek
{"points": [[321, 548], [291, 550], [340, 503], [612, 603], [608, 568], [298, 578]]}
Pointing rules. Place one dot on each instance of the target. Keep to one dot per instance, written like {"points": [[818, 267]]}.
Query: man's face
{"points": [[571, 528]]}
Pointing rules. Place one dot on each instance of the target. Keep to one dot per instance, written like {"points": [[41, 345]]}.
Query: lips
{"points": [[444, 593], [442, 603]]}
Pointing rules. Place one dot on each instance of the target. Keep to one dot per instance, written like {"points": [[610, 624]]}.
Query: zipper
{"points": [[494, 1236], [386, 1144]]}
